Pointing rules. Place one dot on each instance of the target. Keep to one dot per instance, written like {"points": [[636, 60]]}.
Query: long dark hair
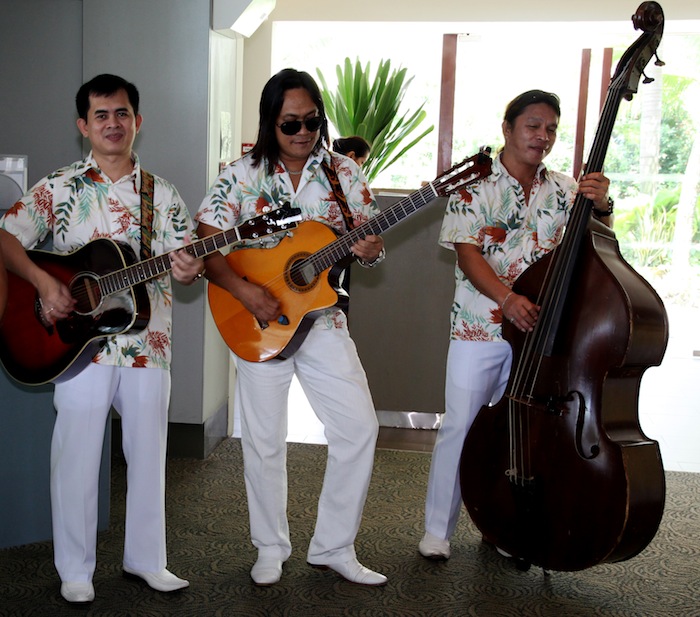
{"points": [[266, 148]]}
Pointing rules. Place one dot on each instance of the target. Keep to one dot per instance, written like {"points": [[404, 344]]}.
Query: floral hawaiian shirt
{"points": [[243, 190], [511, 234], [78, 204]]}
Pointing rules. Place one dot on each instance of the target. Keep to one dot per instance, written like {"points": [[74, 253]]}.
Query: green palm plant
{"points": [[371, 110]]}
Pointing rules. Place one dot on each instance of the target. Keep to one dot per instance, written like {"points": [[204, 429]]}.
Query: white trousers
{"points": [[477, 375], [330, 373], [141, 396]]}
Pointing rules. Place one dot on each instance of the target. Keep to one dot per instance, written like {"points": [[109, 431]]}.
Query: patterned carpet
{"points": [[209, 545]]}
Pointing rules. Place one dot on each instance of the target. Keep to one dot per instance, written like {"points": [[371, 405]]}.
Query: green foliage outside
{"points": [[646, 231], [372, 109], [645, 224]]}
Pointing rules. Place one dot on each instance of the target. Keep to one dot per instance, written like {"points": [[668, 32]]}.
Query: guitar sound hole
{"points": [[300, 275], [86, 292]]}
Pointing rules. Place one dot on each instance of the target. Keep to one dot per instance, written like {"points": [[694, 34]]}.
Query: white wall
{"points": [[226, 70]]}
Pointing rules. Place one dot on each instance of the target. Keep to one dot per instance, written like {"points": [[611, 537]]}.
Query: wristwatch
{"points": [[370, 264], [599, 214]]}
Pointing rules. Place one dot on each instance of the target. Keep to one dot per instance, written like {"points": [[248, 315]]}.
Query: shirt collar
{"points": [[497, 170], [89, 162], [313, 162]]}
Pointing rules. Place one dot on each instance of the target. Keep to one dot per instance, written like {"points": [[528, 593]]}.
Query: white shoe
{"points": [[78, 593], [503, 553], [499, 550], [266, 571], [432, 547], [160, 581], [354, 572]]}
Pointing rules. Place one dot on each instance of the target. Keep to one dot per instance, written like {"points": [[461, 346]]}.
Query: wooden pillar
{"points": [[580, 136], [581, 116], [605, 75], [447, 102]]}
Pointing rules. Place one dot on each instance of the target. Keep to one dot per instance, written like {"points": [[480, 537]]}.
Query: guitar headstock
{"points": [[272, 222], [464, 173]]}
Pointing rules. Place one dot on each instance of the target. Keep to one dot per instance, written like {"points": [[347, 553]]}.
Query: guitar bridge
{"points": [[282, 320], [39, 312]]}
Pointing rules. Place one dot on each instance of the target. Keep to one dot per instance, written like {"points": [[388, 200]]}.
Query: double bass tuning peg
{"points": [[657, 62]]}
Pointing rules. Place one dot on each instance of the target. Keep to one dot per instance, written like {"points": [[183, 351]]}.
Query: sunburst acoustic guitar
{"points": [[303, 270], [108, 284]]}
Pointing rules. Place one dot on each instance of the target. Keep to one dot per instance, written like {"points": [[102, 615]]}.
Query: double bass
{"points": [[558, 473]]}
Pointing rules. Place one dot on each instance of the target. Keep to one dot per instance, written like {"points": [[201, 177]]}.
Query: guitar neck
{"points": [[154, 267], [340, 248]]}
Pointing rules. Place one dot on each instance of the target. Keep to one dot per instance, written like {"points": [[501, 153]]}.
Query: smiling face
{"points": [[295, 149], [111, 126], [530, 137]]}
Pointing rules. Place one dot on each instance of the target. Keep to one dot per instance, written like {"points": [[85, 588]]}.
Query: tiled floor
{"points": [[669, 404]]}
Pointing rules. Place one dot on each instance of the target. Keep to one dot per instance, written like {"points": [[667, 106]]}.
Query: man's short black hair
{"points": [[105, 85], [531, 97]]}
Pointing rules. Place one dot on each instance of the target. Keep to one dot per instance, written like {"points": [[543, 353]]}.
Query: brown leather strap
{"points": [[339, 195], [146, 214]]}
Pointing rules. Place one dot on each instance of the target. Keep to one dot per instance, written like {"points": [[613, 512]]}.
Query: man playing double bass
{"points": [[498, 227]]}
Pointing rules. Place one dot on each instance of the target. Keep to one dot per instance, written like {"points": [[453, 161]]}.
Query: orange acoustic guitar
{"points": [[302, 271], [108, 285]]}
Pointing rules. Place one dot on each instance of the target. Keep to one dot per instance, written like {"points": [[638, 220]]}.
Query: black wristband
{"points": [[599, 214]]}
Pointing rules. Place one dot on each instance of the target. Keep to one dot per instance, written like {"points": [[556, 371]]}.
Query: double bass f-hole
{"points": [[587, 437]]}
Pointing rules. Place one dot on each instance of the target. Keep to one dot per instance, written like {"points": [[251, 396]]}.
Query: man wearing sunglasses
{"points": [[291, 163]]}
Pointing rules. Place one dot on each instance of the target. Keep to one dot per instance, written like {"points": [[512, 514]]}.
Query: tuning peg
{"points": [[647, 79], [659, 61]]}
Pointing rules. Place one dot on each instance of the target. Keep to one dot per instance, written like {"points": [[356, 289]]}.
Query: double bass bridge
{"points": [[571, 407]]}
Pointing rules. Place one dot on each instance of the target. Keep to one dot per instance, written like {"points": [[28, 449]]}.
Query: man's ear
{"points": [[505, 127], [82, 127], [139, 120]]}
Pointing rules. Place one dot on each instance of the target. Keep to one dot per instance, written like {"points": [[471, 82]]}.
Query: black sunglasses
{"points": [[292, 127]]}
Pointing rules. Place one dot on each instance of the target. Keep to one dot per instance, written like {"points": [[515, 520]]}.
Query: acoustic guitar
{"points": [[303, 270], [108, 284]]}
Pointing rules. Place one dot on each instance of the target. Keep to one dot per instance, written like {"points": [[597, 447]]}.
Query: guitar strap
{"points": [[146, 214], [339, 195], [343, 303]]}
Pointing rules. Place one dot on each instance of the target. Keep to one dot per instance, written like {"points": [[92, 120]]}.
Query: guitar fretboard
{"points": [[277, 221], [340, 248]]}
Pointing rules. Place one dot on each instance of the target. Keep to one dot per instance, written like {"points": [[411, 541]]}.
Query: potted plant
{"points": [[370, 109]]}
